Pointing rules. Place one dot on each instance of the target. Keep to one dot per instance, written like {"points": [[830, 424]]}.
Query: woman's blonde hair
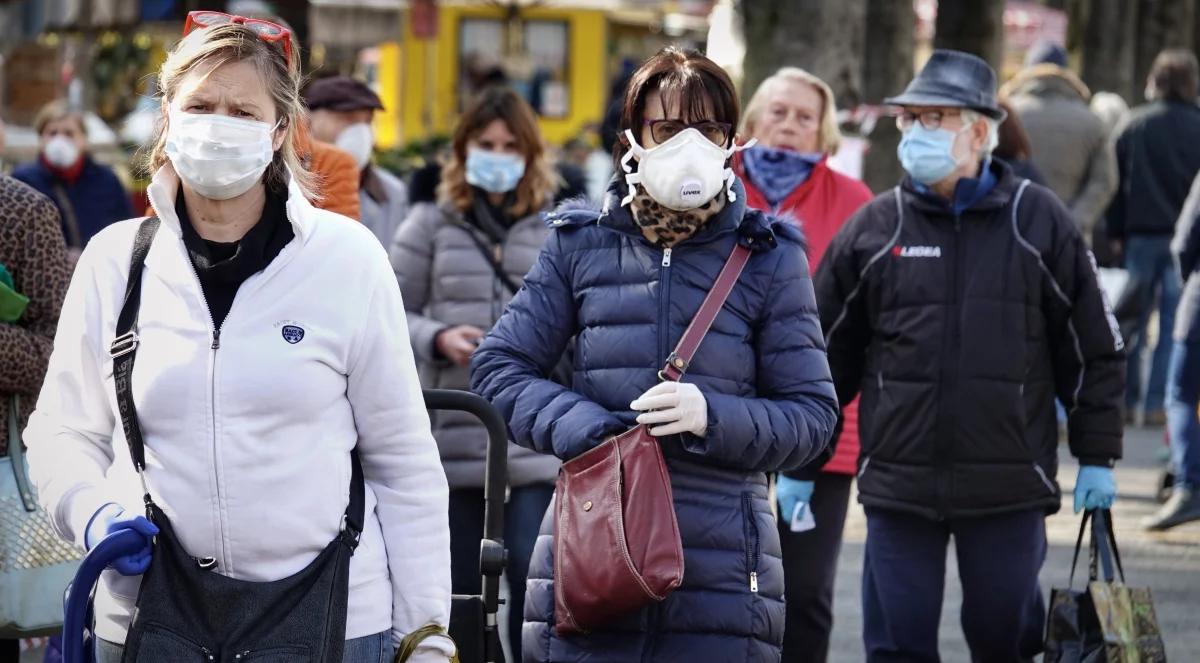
{"points": [[829, 137], [57, 110], [212, 47], [540, 179]]}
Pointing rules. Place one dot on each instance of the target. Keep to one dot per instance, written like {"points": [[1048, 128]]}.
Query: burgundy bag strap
{"points": [[681, 358]]}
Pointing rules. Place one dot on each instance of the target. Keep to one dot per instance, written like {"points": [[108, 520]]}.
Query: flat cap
{"points": [[340, 93]]}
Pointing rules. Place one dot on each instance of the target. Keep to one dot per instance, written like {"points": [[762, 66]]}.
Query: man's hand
{"points": [[457, 343]]}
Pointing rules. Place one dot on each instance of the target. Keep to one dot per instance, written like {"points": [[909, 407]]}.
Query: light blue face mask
{"points": [[928, 154], [494, 172]]}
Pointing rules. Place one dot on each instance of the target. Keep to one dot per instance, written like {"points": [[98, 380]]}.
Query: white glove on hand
{"points": [[679, 406]]}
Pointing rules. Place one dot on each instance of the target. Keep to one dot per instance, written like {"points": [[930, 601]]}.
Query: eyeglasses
{"points": [[931, 119], [266, 30], [664, 130]]}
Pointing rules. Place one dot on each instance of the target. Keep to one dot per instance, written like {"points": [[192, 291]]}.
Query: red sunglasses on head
{"points": [[266, 30]]}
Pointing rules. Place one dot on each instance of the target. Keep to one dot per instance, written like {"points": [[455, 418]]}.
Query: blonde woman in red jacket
{"points": [[792, 114]]}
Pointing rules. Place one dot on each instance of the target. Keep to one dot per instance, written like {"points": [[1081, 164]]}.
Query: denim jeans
{"points": [[522, 518], [1183, 423], [1151, 266], [376, 648]]}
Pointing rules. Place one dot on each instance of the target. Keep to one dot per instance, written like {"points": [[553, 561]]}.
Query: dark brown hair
{"points": [[1013, 142], [500, 103], [701, 88], [1175, 75]]}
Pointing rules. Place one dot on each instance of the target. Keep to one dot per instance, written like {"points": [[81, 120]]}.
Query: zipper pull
{"points": [[754, 582], [666, 258], [208, 654], [216, 344]]}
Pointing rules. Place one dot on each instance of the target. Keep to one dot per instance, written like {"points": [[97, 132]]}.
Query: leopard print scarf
{"points": [[665, 227]]}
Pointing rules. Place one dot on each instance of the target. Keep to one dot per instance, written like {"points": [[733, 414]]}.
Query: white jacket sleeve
{"points": [[69, 435], [401, 465]]}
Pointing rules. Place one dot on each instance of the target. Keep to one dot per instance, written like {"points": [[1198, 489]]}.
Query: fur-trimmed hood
{"points": [[1046, 79]]}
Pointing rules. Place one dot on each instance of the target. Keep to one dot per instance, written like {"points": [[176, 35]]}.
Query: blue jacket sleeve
{"points": [[511, 366], [791, 419]]}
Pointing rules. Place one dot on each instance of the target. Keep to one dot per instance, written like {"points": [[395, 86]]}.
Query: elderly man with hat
{"points": [[340, 112], [958, 306]]}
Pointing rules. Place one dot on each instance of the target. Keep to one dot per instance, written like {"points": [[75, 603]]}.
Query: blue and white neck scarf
{"points": [[777, 173]]}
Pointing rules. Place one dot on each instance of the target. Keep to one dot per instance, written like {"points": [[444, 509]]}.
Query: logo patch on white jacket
{"points": [[291, 331], [917, 251]]}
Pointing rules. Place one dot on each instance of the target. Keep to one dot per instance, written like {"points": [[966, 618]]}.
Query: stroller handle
{"points": [[78, 603]]}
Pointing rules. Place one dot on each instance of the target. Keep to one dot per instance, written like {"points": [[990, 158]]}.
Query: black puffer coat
{"points": [[959, 332]]}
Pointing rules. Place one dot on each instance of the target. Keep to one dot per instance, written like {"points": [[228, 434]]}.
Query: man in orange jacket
{"points": [[336, 172]]}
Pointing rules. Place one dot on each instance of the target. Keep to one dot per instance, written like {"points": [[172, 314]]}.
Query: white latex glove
{"points": [[678, 406]]}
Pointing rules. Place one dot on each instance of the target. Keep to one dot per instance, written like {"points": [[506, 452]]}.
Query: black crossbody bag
{"points": [[186, 611]]}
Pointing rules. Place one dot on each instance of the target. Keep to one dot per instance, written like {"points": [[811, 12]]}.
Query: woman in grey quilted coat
{"points": [[458, 262]]}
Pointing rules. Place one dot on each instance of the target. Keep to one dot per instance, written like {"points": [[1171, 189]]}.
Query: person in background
{"points": [[794, 118], [1183, 377], [88, 195], [1158, 152], [33, 280], [625, 282], [1112, 110], [335, 174], [1073, 151], [958, 373], [459, 263], [341, 110], [1013, 146]]}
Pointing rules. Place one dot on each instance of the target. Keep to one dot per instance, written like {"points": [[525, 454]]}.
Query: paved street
{"points": [[1168, 563]]}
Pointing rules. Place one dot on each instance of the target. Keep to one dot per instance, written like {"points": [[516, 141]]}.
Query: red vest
{"points": [[821, 206]]}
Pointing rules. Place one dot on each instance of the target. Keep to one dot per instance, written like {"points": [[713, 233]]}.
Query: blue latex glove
{"points": [[790, 492], [1095, 488], [112, 518]]}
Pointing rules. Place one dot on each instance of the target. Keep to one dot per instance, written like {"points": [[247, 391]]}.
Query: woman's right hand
{"points": [[458, 343]]}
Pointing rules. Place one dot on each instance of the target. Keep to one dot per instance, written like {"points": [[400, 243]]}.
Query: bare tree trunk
{"points": [[974, 27], [1107, 43], [888, 67], [823, 36], [1161, 24]]}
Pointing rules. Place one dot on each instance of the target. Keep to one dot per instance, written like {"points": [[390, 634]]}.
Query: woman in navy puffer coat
{"points": [[625, 282]]}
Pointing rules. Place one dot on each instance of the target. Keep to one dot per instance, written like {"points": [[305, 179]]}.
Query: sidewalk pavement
{"points": [[1168, 563]]}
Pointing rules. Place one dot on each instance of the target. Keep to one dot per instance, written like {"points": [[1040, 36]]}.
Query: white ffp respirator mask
{"points": [[682, 173], [61, 152], [218, 156], [359, 140]]}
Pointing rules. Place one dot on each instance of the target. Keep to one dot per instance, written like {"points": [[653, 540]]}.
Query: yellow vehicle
{"points": [[562, 56]]}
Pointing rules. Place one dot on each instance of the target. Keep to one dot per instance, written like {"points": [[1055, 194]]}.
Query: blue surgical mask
{"points": [[494, 172], [928, 154]]}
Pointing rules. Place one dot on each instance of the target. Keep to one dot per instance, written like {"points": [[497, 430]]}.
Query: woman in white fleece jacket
{"points": [[271, 342]]}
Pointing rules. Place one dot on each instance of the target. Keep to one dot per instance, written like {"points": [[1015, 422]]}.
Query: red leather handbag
{"points": [[616, 544]]}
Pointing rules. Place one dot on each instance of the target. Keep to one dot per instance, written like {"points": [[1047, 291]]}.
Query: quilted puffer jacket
{"points": [[447, 281], [762, 370]]}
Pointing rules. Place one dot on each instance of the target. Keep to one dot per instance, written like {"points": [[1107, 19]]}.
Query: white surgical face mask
{"points": [[61, 152], [359, 140], [218, 156], [682, 173]]}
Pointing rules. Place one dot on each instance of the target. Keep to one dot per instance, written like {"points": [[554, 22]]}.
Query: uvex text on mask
{"points": [[682, 173]]}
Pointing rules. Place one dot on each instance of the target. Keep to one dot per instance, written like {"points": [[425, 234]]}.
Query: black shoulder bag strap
{"points": [[124, 350], [492, 262]]}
